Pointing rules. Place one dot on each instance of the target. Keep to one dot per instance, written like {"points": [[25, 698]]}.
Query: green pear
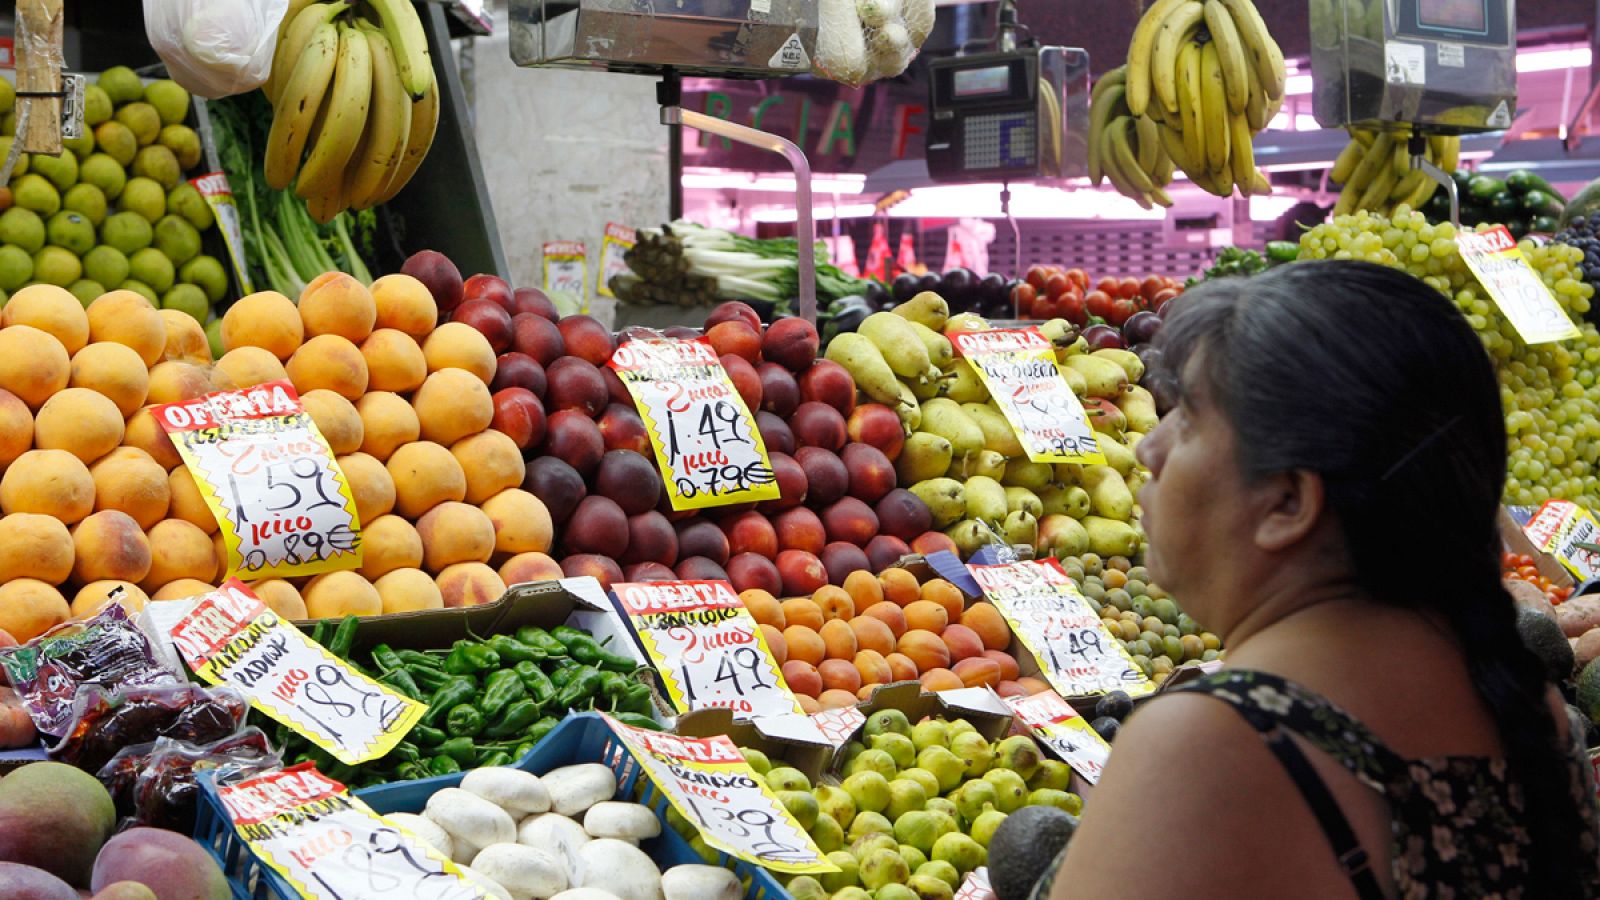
{"points": [[874, 761], [945, 766], [757, 760], [1052, 773], [805, 887], [930, 784], [852, 893], [869, 791], [1011, 792], [885, 721], [984, 826], [802, 805], [960, 851], [1019, 754], [1068, 803], [905, 796], [898, 746], [883, 867], [862, 847], [826, 833], [938, 868], [913, 857], [921, 828], [784, 778], [929, 888], [868, 824], [836, 802], [894, 892], [973, 798], [930, 733], [975, 753]]}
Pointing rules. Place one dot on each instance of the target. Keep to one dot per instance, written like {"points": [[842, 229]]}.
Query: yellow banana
{"points": [[1377, 193], [388, 122], [1407, 184], [1377, 157], [1172, 143], [1347, 200], [1144, 129], [1116, 76], [1230, 52], [1176, 32], [294, 36], [1241, 154], [1139, 51], [1421, 195], [1346, 163], [1127, 165], [1255, 107], [1189, 104], [1260, 185], [1363, 136], [1119, 180], [270, 87], [424, 119], [1264, 51], [1161, 197], [295, 114], [1099, 114], [1213, 108], [1163, 171], [1401, 157], [323, 207], [344, 117], [1447, 153], [404, 31]]}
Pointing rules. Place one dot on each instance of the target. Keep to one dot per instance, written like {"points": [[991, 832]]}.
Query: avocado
{"points": [[1589, 690], [1544, 637], [1582, 203], [1024, 846]]}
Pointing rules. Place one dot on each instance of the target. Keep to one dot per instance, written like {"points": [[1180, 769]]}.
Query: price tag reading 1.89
{"points": [[270, 480], [706, 441], [1019, 368]]}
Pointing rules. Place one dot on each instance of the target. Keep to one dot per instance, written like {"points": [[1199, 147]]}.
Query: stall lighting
{"points": [[820, 213], [1553, 60], [717, 179], [1269, 208], [1028, 201]]}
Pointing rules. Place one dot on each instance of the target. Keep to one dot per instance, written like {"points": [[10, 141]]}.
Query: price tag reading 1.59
{"points": [[270, 480], [708, 648], [331, 846], [1019, 368], [709, 783], [706, 441], [232, 637], [1076, 653]]}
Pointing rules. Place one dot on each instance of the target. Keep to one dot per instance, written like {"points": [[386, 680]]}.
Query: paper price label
{"points": [[331, 846], [709, 783], [270, 480], [838, 725], [708, 648], [1076, 653], [1561, 528], [976, 886], [1504, 272], [218, 195], [565, 264], [705, 439], [618, 240], [231, 637], [1019, 368], [1058, 726]]}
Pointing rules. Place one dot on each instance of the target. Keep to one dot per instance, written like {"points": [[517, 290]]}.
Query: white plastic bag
{"points": [[215, 48]]}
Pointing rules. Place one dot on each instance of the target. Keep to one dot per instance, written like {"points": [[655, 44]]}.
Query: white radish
{"points": [[620, 868], [426, 830], [470, 819], [585, 894], [513, 790], [526, 872], [624, 821], [574, 789], [697, 882]]}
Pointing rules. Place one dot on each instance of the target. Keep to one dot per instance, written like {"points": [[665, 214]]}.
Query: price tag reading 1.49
{"points": [[270, 480], [1055, 723], [1019, 368], [706, 441], [1504, 272], [708, 648], [1076, 653], [232, 637], [331, 846], [709, 783]]}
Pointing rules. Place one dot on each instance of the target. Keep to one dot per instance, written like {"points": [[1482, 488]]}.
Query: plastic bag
{"points": [[215, 48], [103, 722], [859, 41], [155, 784]]}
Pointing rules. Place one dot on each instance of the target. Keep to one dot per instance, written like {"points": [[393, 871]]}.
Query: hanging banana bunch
{"points": [[1375, 169], [1126, 148], [354, 103]]}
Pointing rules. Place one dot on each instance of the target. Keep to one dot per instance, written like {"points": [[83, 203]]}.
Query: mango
{"points": [[56, 817], [20, 882], [169, 863]]}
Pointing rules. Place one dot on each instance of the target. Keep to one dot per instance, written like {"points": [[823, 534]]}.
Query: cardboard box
{"points": [[979, 706], [1515, 540], [785, 742]]}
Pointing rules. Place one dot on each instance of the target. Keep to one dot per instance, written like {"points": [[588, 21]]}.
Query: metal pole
{"points": [[669, 93], [1419, 161]]}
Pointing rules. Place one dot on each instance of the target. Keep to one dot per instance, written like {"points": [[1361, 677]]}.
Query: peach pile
{"points": [[843, 641]]}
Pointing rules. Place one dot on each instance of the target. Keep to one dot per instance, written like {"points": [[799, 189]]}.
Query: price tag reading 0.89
{"points": [[270, 480], [705, 438]]}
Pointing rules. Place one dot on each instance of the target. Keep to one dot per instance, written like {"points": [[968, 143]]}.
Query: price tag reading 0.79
{"points": [[705, 438], [270, 480]]}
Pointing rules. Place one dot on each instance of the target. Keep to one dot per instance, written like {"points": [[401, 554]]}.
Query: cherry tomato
{"points": [[1056, 285], [1071, 308], [1097, 303], [1121, 309], [1161, 298], [1128, 287], [1044, 308], [1079, 278], [1037, 275], [1107, 286], [1151, 286], [1023, 297]]}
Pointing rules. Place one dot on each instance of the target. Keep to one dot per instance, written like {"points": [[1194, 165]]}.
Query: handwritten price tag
{"points": [[618, 240], [232, 637], [1559, 528], [709, 783], [1019, 368], [1059, 627], [268, 476], [565, 265], [706, 441], [1055, 723], [708, 648], [331, 846], [1504, 272]]}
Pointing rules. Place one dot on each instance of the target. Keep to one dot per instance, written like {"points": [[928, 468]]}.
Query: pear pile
{"points": [[915, 806], [961, 456]]}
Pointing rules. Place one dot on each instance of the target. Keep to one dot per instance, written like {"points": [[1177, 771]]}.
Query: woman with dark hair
{"points": [[1324, 498]]}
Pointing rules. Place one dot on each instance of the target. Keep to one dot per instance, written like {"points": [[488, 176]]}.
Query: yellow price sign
{"points": [[1504, 272], [1019, 368]]}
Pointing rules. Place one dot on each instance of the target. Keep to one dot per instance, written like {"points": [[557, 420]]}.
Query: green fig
{"points": [[868, 823], [960, 851], [913, 857], [929, 888], [1071, 804], [886, 721], [757, 760], [802, 805], [894, 892], [1019, 754], [677, 822], [930, 733], [883, 867], [921, 829], [826, 833], [836, 802], [975, 753], [973, 798], [983, 827], [959, 727], [938, 868], [1052, 773], [784, 778], [852, 749], [945, 766], [905, 796], [861, 847], [711, 855], [852, 893], [874, 761], [869, 790], [1011, 792], [930, 784], [898, 746], [944, 805], [847, 876], [805, 887]]}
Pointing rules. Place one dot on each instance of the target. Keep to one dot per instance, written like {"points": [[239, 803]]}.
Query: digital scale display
{"points": [[987, 82], [1456, 15]]}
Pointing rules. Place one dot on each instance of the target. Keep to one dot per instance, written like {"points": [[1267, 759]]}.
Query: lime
{"points": [[170, 100], [126, 231], [187, 298], [86, 290], [35, 192], [117, 141], [143, 120], [159, 164], [183, 142], [86, 200], [144, 196], [142, 289], [187, 201], [96, 105], [153, 268], [177, 239], [106, 264], [16, 267], [207, 272], [71, 231], [104, 173], [121, 85], [56, 265], [22, 228]]}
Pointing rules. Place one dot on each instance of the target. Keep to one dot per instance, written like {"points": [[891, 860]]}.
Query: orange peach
{"points": [[889, 614], [899, 586], [336, 303], [863, 588], [834, 602], [946, 595], [962, 641], [804, 644], [838, 640], [941, 680], [989, 625], [925, 650], [1010, 689], [840, 675], [873, 667], [872, 634], [803, 612], [802, 678], [926, 616], [836, 699], [775, 643], [901, 666], [808, 705], [1033, 685], [1007, 663], [978, 671], [529, 566], [764, 608]]}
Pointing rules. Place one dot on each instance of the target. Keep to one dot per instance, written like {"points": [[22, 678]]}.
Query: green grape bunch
{"points": [[1549, 391]]}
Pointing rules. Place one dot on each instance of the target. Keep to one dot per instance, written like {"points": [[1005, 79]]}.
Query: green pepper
{"points": [[513, 651], [401, 680], [464, 721], [411, 771], [1283, 251], [638, 698], [497, 758], [613, 687], [470, 657], [319, 634], [535, 681], [407, 751], [443, 765], [386, 659], [501, 690], [580, 688], [517, 717], [537, 731], [427, 736], [429, 680], [587, 650], [343, 637], [638, 721], [460, 749], [563, 676], [524, 748], [415, 658], [449, 695], [537, 637]]}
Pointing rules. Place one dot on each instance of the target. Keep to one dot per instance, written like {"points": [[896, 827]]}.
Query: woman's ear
{"points": [[1291, 507]]}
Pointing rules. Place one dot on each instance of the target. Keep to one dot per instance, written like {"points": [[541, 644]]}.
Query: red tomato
{"points": [[1150, 286], [1121, 309], [1023, 296], [1044, 308], [1128, 287], [1056, 285], [1071, 308], [1098, 303], [1107, 285], [1037, 275], [1161, 298], [1079, 278]]}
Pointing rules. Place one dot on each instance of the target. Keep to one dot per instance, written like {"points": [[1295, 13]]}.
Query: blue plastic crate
{"points": [[580, 738]]}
